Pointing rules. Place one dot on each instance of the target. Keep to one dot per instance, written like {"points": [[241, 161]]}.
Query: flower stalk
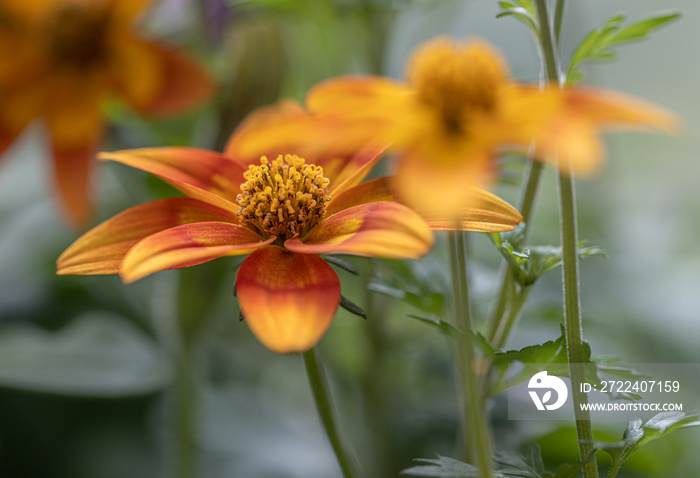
{"points": [[322, 397], [570, 274], [572, 321], [476, 436]]}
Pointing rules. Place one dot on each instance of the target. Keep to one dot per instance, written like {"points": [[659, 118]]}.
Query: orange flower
{"points": [[283, 210], [459, 109], [60, 59]]}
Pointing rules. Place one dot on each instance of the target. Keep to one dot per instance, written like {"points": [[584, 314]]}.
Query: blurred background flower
{"points": [[61, 60]]}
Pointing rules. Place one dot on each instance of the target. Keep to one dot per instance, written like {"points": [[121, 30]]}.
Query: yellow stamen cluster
{"points": [[77, 35], [283, 197], [456, 78]]}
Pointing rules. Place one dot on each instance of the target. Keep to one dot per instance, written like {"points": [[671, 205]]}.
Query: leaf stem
{"points": [[322, 397], [476, 435]]}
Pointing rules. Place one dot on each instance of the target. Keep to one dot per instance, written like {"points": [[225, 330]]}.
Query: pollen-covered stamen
{"points": [[457, 79], [284, 197], [77, 35]]}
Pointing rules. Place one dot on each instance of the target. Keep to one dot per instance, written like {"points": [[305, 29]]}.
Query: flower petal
{"points": [[272, 131], [136, 70], [378, 229], [573, 145], [102, 249], [438, 190], [201, 174], [188, 245], [375, 190], [570, 138], [286, 128], [287, 299], [346, 169], [72, 168], [345, 92], [485, 212], [614, 110], [183, 83]]}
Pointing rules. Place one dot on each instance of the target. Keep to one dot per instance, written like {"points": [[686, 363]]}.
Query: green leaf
{"points": [[597, 45], [552, 357], [419, 285], [443, 467], [98, 355], [510, 465], [515, 465], [442, 326], [531, 263], [637, 434], [523, 10], [570, 471], [352, 307], [342, 263]]}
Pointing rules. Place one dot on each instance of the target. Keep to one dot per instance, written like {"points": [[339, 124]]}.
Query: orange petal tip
{"points": [[288, 299]]}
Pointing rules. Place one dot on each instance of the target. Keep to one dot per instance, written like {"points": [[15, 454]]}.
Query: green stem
{"points": [[569, 241], [475, 430], [185, 415], [572, 320], [558, 20], [615, 468], [516, 304], [319, 387], [375, 379], [549, 52], [525, 206]]}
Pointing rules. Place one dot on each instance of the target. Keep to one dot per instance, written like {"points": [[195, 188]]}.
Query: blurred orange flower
{"points": [[59, 59], [280, 208], [459, 109]]}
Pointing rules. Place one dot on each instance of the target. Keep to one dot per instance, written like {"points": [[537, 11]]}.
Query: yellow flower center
{"points": [[283, 197], [457, 79], [77, 35]]}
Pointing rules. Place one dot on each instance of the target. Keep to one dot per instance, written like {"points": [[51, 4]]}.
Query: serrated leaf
{"points": [[523, 10], [552, 351], [637, 434], [639, 31], [509, 464], [443, 467], [597, 45], [531, 263], [571, 471], [552, 357], [515, 465]]}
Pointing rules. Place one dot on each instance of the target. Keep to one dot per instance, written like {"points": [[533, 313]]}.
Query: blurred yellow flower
{"points": [[459, 109], [59, 59]]}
